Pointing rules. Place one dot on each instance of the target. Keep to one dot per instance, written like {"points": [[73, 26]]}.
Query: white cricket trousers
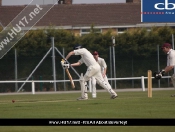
{"points": [[95, 71], [94, 82]]}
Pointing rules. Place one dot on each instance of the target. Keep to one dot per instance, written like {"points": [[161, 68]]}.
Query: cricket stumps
{"points": [[149, 83]]}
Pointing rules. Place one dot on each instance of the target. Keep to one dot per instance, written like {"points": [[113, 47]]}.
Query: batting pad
{"points": [[83, 87]]}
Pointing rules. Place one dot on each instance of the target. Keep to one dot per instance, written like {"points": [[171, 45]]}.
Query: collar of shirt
{"points": [[169, 51]]}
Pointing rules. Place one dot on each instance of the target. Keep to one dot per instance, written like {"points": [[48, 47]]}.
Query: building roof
{"points": [[81, 15]]}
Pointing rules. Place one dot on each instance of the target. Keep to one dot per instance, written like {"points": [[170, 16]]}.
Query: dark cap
{"points": [[166, 45], [77, 46], [95, 53]]}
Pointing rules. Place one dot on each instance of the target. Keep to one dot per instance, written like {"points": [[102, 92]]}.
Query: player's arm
{"points": [[168, 68], [170, 64], [158, 75], [104, 72], [76, 64], [70, 54], [104, 67]]}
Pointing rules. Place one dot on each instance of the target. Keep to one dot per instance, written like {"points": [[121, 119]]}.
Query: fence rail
{"points": [[142, 78]]}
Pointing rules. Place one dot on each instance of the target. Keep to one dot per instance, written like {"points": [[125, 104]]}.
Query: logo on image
{"points": [[158, 11]]}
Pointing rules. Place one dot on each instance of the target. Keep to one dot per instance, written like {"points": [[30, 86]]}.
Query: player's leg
{"points": [[106, 79], [83, 85], [173, 81], [83, 79], [89, 74], [94, 87], [107, 86], [100, 80], [94, 82]]}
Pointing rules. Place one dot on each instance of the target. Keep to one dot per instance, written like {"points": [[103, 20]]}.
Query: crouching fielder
{"points": [[93, 70], [166, 47]]}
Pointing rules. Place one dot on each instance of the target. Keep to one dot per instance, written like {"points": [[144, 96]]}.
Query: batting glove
{"points": [[65, 64]]}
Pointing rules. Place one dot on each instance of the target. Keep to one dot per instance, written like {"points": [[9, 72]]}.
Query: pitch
{"points": [[130, 104]]}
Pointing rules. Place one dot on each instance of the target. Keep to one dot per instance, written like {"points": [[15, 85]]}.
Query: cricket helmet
{"points": [[77, 46]]}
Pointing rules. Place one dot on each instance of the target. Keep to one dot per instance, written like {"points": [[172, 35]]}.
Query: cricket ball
{"points": [[13, 101]]}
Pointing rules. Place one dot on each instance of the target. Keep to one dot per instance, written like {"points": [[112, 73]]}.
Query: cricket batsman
{"points": [[93, 70]]}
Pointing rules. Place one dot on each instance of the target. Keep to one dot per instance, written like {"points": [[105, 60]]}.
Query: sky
{"points": [[97, 1], [26, 2], [15, 2]]}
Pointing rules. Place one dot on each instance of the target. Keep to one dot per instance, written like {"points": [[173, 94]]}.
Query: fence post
{"points": [[143, 83], [33, 87]]}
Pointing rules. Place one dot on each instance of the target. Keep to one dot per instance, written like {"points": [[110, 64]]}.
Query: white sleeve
{"points": [[79, 52], [81, 61], [171, 59], [103, 63]]}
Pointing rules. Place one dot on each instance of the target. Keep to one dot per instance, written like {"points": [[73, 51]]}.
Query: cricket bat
{"points": [[70, 77]]}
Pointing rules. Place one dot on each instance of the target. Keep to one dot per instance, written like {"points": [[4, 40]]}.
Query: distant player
{"points": [[93, 70], [103, 66], [166, 47]]}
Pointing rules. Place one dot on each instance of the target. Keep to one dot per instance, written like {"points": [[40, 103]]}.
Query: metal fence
{"points": [[123, 71]]}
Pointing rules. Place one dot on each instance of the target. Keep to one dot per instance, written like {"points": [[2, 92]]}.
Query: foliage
{"points": [[62, 37], [140, 42], [1, 28], [134, 42], [33, 43], [135, 51], [96, 42]]}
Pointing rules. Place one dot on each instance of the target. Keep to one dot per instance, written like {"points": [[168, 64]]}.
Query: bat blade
{"points": [[70, 78]]}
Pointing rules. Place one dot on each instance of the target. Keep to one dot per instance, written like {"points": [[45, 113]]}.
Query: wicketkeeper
{"points": [[93, 70], [166, 47]]}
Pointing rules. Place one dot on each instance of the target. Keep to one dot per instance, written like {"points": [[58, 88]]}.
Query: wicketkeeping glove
{"points": [[157, 75], [162, 72]]}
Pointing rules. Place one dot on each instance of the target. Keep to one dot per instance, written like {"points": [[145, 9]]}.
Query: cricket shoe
{"points": [[114, 96], [81, 98]]}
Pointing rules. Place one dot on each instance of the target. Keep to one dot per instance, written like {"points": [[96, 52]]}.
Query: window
{"points": [[173, 27], [148, 29], [61, 2], [121, 30], [87, 31]]}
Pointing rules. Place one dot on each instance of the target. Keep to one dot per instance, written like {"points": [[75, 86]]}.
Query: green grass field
{"points": [[127, 105]]}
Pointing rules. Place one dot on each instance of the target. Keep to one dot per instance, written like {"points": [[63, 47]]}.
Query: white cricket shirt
{"points": [[102, 63], [171, 58], [86, 57]]}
